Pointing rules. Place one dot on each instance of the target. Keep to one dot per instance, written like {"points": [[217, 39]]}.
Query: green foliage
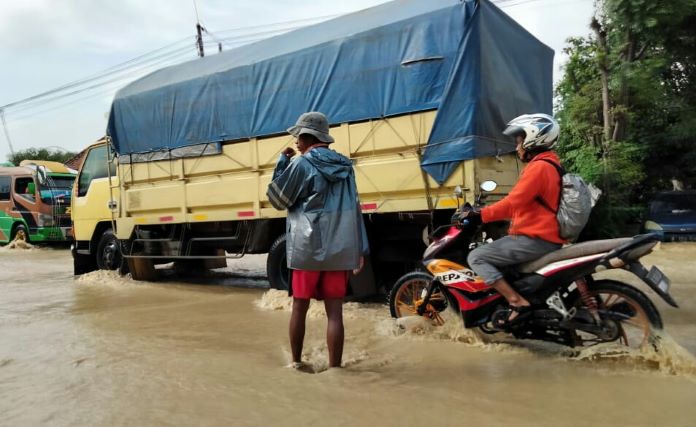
{"points": [[40, 154], [647, 51]]}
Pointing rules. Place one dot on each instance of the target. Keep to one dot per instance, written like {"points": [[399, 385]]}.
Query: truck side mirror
{"points": [[41, 174]]}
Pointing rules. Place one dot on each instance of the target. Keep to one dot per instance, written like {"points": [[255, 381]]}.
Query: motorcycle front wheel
{"points": [[627, 314], [407, 295]]}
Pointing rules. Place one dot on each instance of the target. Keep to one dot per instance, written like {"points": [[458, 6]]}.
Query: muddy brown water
{"points": [[102, 350]]}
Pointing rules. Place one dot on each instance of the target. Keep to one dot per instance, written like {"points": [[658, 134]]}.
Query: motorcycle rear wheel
{"points": [[407, 295], [625, 308]]}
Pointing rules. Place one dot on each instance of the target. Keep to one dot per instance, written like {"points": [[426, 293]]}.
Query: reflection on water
{"points": [[104, 350]]}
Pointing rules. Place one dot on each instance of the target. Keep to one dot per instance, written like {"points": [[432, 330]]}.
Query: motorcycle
{"points": [[569, 305]]}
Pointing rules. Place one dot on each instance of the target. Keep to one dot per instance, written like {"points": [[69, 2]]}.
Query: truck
{"points": [[416, 93], [35, 201]]}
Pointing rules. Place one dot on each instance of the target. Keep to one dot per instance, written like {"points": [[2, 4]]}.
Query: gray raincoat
{"points": [[325, 229]]}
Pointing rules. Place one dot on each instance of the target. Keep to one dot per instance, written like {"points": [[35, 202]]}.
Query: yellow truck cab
{"points": [[417, 94], [95, 245]]}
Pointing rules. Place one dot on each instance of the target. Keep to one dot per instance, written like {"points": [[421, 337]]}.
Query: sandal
{"points": [[523, 312]]}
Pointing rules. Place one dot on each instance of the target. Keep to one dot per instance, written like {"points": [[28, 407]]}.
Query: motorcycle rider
{"points": [[534, 229]]}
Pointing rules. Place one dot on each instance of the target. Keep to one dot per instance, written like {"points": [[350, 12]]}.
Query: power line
{"points": [[148, 59], [114, 70], [317, 18], [114, 87], [285, 24], [171, 58], [121, 75]]}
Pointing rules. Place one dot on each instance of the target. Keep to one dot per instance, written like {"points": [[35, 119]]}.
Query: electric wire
{"points": [[102, 74], [124, 74], [179, 55], [150, 58], [111, 88]]}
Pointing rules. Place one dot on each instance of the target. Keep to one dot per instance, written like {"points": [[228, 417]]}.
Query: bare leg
{"points": [[510, 294], [297, 327], [334, 330]]}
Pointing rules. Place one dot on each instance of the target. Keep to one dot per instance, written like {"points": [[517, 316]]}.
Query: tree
{"points": [[627, 103], [40, 154]]}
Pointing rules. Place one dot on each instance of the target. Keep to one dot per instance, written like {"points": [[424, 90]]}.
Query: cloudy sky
{"points": [[46, 44]]}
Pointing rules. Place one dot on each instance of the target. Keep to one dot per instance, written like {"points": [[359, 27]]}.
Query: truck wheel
{"points": [[108, 251], [277, 265]]}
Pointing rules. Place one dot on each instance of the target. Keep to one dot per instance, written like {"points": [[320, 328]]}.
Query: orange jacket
{"points": [[528, 216]]}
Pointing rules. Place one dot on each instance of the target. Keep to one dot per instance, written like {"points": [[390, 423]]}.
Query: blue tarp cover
{"points": [[465, 58]]}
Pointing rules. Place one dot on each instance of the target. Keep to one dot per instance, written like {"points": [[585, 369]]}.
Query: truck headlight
{"points": [[45, 220]]}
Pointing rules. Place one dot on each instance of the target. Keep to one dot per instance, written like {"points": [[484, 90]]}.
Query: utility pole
{"points": [[199, 32], [7, 134], [199, 40]]}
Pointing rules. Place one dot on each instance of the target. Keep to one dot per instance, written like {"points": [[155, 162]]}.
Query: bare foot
{"points": [[302, 367]]}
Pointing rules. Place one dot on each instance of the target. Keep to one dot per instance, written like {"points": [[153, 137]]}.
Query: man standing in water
{"points": [[326, 237]]}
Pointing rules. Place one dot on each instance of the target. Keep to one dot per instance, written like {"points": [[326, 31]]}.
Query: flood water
{"points": [[102, 350]]}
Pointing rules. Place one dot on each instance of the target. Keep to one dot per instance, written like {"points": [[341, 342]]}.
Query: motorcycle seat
{"points": [[591, 247]]}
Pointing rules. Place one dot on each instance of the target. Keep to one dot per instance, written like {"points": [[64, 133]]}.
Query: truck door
{"points": [[24, 203], [90, 203]]}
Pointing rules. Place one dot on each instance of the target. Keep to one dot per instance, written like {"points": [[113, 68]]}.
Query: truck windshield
{"points": [[57, 189]]}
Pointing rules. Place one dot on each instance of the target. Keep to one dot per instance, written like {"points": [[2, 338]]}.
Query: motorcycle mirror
{"points": [[458, 191], [489, 186]]}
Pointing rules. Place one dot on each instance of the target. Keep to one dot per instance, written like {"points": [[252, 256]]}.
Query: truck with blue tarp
{"points": [[416, 93]]}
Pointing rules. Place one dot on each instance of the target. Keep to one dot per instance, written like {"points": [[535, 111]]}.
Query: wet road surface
{"points": [[102, 350]]}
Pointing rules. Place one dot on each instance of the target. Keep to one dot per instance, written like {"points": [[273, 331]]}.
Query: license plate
{"points": [[658, 278]]}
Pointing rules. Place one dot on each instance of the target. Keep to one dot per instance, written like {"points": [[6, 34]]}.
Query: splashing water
{"points": [[104, 277], [19, 243], [663, 355]]}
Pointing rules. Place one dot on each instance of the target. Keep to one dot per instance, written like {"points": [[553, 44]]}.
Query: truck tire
{"points": [[277, 265], [108, 251]]}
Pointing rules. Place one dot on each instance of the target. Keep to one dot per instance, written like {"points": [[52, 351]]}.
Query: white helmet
{"points": [[540, 131]]}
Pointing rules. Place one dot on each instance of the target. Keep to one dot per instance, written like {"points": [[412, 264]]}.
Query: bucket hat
{"points": [[313, 123]]}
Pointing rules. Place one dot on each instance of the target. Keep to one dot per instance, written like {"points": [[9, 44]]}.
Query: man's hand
{"points": [[473, 216], [360, 267], [289, 152]]}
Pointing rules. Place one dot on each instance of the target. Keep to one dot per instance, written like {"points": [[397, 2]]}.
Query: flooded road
{"points": [[103, 350]]}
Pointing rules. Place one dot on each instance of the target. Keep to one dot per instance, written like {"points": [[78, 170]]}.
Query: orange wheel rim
{"points": [[408, 299]]}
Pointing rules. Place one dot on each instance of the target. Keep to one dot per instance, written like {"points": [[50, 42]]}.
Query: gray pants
{"points": [[510, 250]]}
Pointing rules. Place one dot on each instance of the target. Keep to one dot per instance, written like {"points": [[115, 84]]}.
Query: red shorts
{"points": [[319, 284]]}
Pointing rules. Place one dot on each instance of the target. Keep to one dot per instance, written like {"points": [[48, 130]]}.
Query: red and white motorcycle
{"points": [[569, 306]]}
